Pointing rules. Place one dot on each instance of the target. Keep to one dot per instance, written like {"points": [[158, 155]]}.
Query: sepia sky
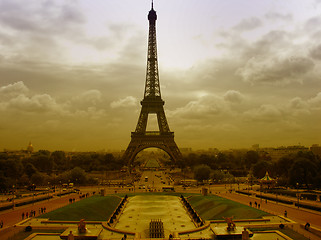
{"points": [[232, 73]]}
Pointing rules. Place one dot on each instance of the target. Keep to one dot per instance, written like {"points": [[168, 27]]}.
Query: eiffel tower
{"points": [[152, 104]]}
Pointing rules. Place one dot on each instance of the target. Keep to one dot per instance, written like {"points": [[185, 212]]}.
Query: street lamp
{"points": [[60, 188], [261, 189], [297, 193], [13, 186], [276, 193], [48, 190], [33, 194]]}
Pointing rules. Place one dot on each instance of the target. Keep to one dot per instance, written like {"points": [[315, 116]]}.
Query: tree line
{"points": [[53, 168], [301, 169]]}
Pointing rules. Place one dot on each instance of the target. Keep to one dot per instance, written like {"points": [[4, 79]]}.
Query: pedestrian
{"points": [[285, 213], [250, 204], [259, 205], [1, 224], [307, 226], [27, 214], [70, 236], [23, 215], [255, 204], [245, 234], [44, 209]]}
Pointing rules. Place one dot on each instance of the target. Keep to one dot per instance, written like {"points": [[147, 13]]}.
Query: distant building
{"points": [[185, 150], [316, 149], [277, 153], [213, 150], [30, 148], [255, 146]]}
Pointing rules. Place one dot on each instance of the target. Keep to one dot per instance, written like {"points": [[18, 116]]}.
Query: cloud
{"points": [[12, 90], [315, 52], [91, 97], [297, 107], [265, 113], [46, 28], [315, 102], [15, 97], [290, 111], [277, 16], [312, 23], [233, 96], [36, 103], [275, 70], [210, 105], [46, 17], [248, 24], [128, 101], [204, 107], [18, 98]]}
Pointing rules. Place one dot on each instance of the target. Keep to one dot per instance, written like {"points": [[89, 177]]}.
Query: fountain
{"points": [[231, 231], [81, 232]]}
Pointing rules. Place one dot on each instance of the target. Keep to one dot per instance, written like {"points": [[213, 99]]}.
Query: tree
{"points": [[303, 171], [30, 169], [77, 175], [4, 183], [217, 175], [202, 172], [260, 168], [59, 159], [38, 178], [283, 165], [11, 168], [43, 161], [251, 157]]}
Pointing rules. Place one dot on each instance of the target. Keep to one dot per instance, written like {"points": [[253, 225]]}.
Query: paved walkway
{"points": [[288, 198], [12, 217], [301, 216]]}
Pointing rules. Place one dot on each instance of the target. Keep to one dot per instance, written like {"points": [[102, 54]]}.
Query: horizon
{"points": [[231, 74], [157, 149]]}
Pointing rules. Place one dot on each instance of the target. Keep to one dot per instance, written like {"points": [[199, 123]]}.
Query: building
{"points": [[316, 149]]}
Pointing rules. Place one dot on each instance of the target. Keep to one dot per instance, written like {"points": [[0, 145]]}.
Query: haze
{"points": [[232, 73]]}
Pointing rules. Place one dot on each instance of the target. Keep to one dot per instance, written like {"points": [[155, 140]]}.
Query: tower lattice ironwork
{"points": [[152, 104]]}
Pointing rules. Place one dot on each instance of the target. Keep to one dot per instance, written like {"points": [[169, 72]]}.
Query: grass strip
{"points": [[215, 208], [95, 208]]}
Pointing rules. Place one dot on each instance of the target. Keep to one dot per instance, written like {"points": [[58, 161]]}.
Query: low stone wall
{"points": [[314, 230]]}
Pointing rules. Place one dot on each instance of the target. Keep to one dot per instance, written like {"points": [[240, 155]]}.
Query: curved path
{"points": [[301, 216]]}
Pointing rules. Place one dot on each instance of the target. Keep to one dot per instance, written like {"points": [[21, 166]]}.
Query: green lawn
{"points": [[99, 208], [152, 163], [215, 208], [95, 208]]}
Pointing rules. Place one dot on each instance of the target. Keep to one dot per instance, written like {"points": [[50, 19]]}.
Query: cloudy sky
{"points": [[232, 73]]}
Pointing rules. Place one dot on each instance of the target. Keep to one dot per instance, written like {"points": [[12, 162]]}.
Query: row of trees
{"points": [[44, 168], [301, 168], [57, 167]]}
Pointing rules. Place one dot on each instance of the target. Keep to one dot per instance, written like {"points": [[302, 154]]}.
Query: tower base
{"points": [[139, 142]]}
